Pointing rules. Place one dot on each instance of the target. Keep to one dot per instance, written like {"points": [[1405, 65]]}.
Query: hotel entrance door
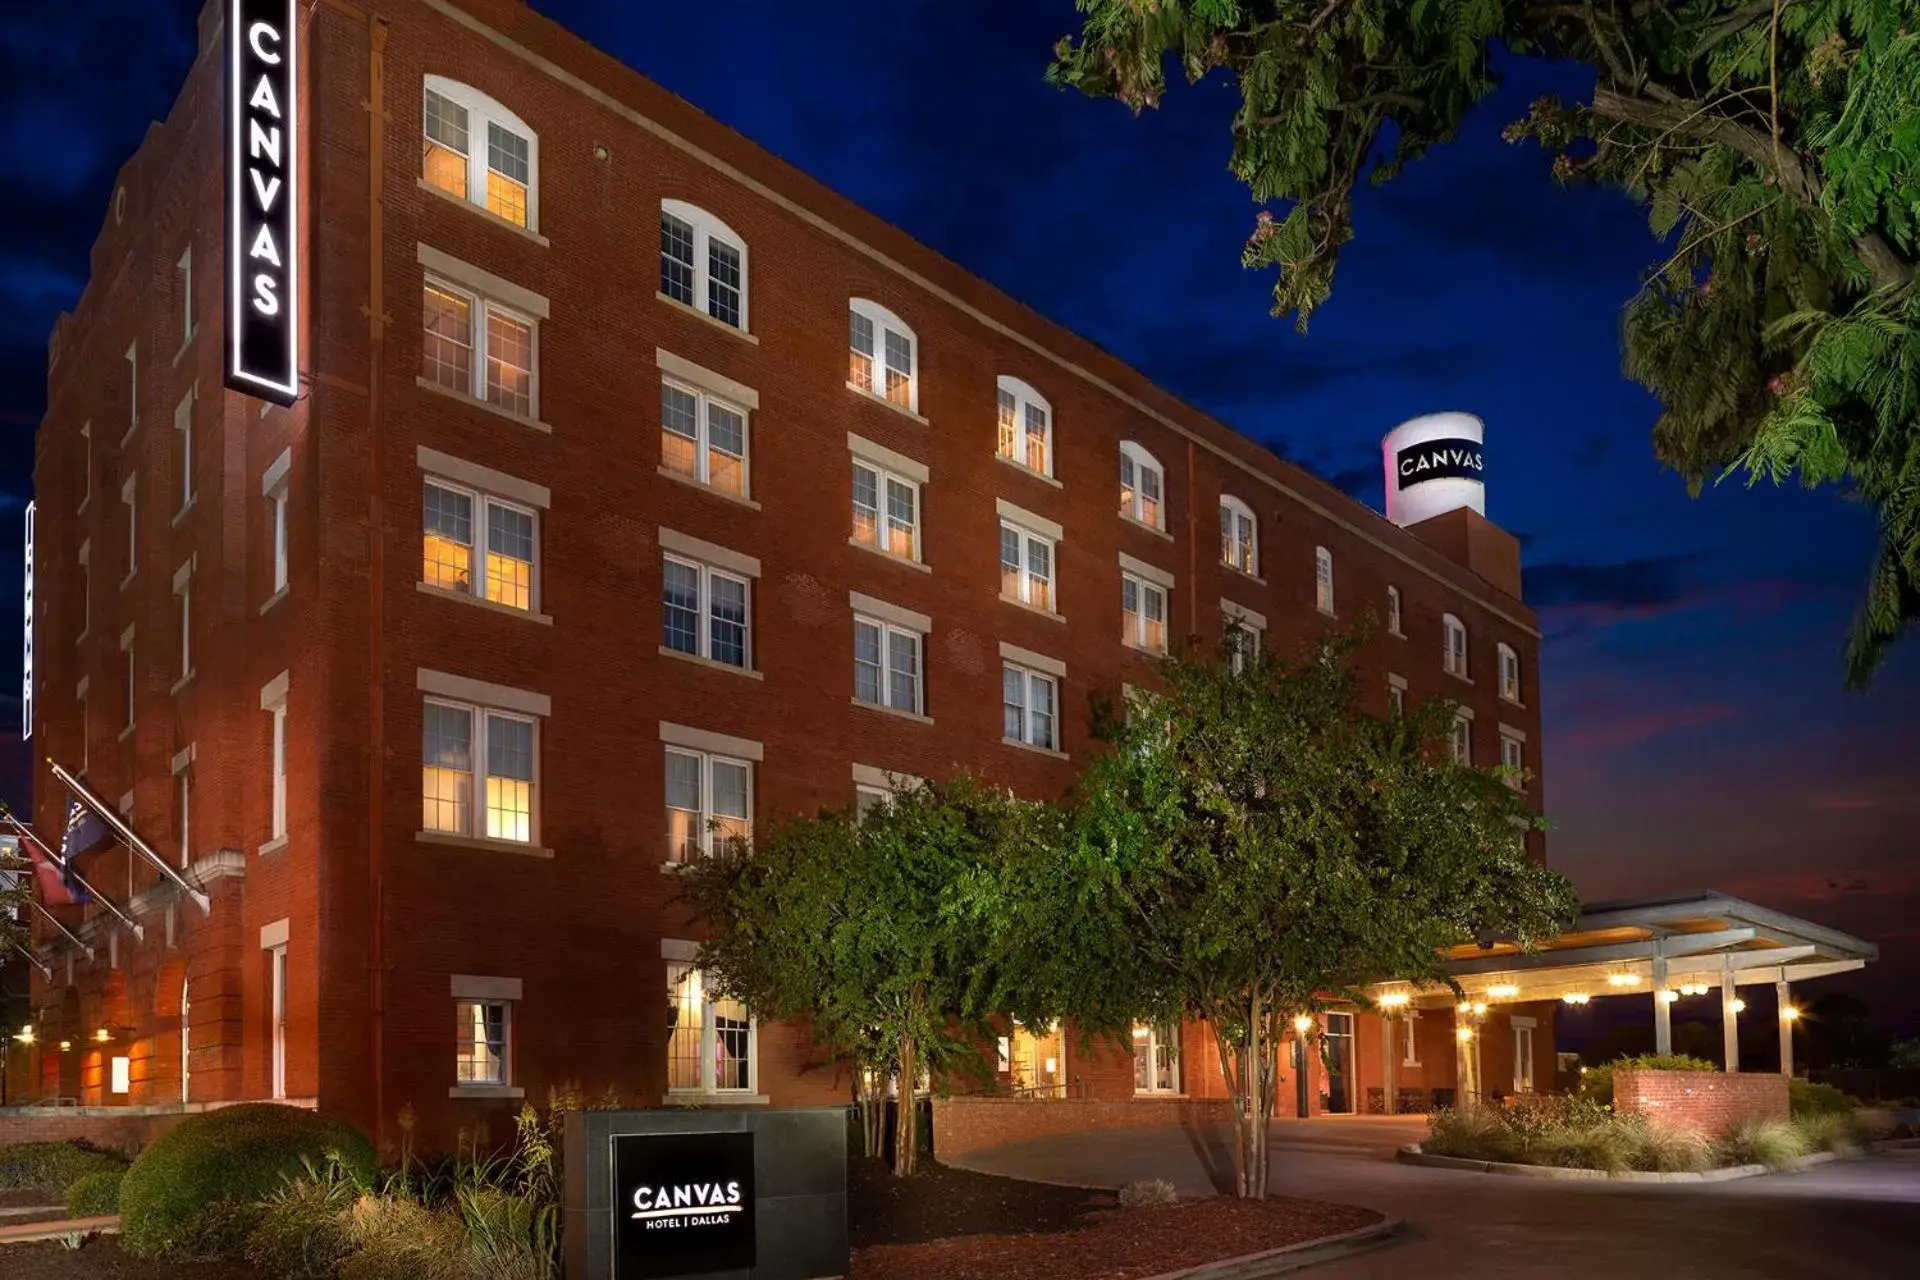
{"points": [[1339, 1051]]}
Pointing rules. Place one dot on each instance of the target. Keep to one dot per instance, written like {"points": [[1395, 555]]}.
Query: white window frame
{"points": [[1029, 679], [1147, 1046], [887, 631], [277, 1008], [1460, 739], [707, 760], [183, 592], [463, 1030], [1410, 1056], [480, 309], [480, 548], [479, 719], [707, 231], [183, 799], [1024, 577], [883, 527], [1323, 580], [1509, 668], [705, 402], [86, 465], [1013, 438], [133, 677], [482, 111], [279, 765], [709, 1072], [1132, 498], [133, 390], [130, 499], [1513, 755], [183, 427], [1240, 536], [1396, 694], [1522, 1029], [1453, 647], [184, 267], [1395, 620], [884, 322], [1143, 587], [1243, 635], [86, 588], [703, 611]]}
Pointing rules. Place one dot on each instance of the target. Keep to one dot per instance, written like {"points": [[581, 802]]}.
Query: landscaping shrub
{"points": [[302, 1230], [197, 1190], [1147, 1193], [1830, 1131], [397, 1238], [95, 1196], [1596, 1083], [1805, 1098], [1774, 1143], [1665, 1148], [53, 1166]]}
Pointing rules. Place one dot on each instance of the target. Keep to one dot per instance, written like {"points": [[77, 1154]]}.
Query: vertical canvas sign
{"points": [[26, 654], [263, 199]]}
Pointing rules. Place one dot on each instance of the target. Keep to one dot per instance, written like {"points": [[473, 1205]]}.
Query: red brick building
{"points": [[636, 480]]}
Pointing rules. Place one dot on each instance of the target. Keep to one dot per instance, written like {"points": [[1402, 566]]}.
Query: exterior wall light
{"points": [[1788, 1013], [1668, 997], [1576, 997], [25, 1034], [1479, 1010], [65, 1045], [1693, 988], [103, 1035], [1303, 1023], [1503, 991], [1465, 1033], [1465, 1006], [1394, 1000], [1738, 1005], [1623, 979]]}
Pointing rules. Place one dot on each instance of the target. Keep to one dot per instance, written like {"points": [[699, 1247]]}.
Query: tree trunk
{"points": [[906, 1114]]}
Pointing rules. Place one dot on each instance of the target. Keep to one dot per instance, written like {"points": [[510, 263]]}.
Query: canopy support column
{"points": [[1783, 996], [1729, 1019], [1388, 1094], [1662, 1009]]}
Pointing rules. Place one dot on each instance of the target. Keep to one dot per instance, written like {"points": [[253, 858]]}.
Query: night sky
{"points": [[1697, 735]]}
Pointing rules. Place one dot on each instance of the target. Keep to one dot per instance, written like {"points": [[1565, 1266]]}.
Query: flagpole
{"points": [[67, 868], [131, 840], [54, 920], [34, 960]]}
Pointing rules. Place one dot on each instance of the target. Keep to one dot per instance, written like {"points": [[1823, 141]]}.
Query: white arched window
{"points": [[1026, 426], [1454, 636], [1142, 486], [1509, 673], [1323, 579], [476, 150], [703, 264], [881, 360], [1239, 536]]}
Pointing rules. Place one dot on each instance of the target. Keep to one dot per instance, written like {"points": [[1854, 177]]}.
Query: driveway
{"points": [[1851, 1218]]}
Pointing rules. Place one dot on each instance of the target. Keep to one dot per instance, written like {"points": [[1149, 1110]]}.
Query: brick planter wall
{"points": [[1708, 1102], [963, 1125]]}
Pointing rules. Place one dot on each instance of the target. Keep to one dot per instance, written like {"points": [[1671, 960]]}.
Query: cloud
{"points": [[1631, 727], [1646, 582]]}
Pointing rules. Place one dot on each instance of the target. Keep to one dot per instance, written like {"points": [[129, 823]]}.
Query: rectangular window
{"points": [[704, 612], [86, 464], [1143, 614], [133, 387], [480, 1037], [458, 741], [1396, 695], [886, 511], [277, 979], [1522, 1057], [1462, 743], [183, 794], [886, 665], [279, 772], [277, 509], [1323, 579], [703, 438], [185, 269], [710, 1040], [460, 524], [1454, 636], [127, 500], [1393, 611], [723, 282], [709, 802], [866, 799], [133, 674], [1509, 674], [508, 172], [505, 377], [1029, 707], [183, 430], [444, 157], [676, 258], [1026, 567], [1411, 1057], [1513, 755], [1242, 641], [1156, 1057], [184, 594]]}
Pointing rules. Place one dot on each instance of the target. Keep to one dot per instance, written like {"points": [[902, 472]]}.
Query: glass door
{"points": [[1339, 1055]]}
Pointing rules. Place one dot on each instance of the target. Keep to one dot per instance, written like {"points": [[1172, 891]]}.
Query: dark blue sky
{"points": [[1696, 731]]}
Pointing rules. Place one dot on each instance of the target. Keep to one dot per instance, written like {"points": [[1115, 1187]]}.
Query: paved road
{"points": [[1853, 1218]]}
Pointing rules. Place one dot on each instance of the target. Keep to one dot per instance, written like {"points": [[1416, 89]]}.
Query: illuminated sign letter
{"points": [[263, 201], [26, 655]]}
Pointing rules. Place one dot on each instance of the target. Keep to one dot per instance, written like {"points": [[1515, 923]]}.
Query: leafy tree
{"points": [[1254, 846], [877, 930], [1774, 143]]}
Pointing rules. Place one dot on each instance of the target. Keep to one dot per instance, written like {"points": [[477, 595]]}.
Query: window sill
{"points": [[889, 557], [1028, 746], [1463, 679], [494, 606], [704, 318], [671, 868], [1397, 635], [900, 409], [1144, 527], [1159, 1095], [1026, 470], [678, 478], [272, 846], [1238, 572], [1324, 612], [1143, 650], [125, 734], [483, 211], [426, 384], [1513, 702], [181, 683], [186, 509], [273, 600], [1048, 614], [128, 580], [709, 663], [486, 1091], [481, 842], [914, 716], [697, 1098]]}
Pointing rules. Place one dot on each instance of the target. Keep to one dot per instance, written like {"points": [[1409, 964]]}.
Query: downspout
{"points": [[377, 320], [1193, 547]]}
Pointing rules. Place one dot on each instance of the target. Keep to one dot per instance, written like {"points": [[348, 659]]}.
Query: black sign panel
{"points": [[682, 1204], [263, 199], [1439, 460]]}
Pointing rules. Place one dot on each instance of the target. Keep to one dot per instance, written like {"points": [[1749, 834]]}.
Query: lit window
{"points": [[1242, 641], [703, 264], [1239, 540], [1411, 1057], [886, 511], [1454, 637], [1462, 742], [886, 665], [480, 1036], [1026, 427], [452, 319], [1142, 484], [703, 438], [1143, 613], [458, 525], [1509, 674], [1030, 707], [704, 612], [277, 979], [1156, 1057], [1393, 612], [709, 802], [1513, 756], [1026, 567], [278, 822], [710, 1039], [1323, 579], [881, 359], [456, 743], [499, 176]]}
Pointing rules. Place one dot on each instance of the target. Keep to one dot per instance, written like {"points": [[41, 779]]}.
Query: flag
{"points": [[56, 890], [85, 831]]}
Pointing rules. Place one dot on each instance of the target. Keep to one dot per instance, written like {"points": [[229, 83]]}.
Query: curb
{"points": [[1293, 1257], [30, 1232], [1415, 1156]]}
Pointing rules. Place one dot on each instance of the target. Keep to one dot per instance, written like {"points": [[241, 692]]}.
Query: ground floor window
{"points": [[711, 1041], [277, 976], [1523, 1055], [1156, 1058], [1037, 1061], [480, 1041]]}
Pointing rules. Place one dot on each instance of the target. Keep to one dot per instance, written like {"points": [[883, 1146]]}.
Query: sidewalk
{"points": [[56, 1228]]}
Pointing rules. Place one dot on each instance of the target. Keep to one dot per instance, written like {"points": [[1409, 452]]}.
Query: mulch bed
{"points": [[27, 1197], [101, 1258], [949, 1224]]}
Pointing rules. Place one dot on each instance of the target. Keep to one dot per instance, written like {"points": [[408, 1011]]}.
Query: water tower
{"points": [[1434, 465]]}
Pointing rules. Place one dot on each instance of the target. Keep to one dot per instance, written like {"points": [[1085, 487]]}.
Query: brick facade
{"points": [[1708, 1102], [379, 919]]}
